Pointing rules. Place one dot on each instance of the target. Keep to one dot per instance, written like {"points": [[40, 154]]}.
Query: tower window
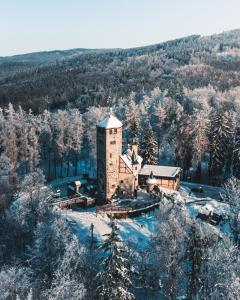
{"points": [[115, 130], [110, 131], [110, 155], [113, 142]]}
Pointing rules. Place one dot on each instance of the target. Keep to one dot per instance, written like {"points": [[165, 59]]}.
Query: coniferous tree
{"points": [[220, 146], [184, 147], [200, 140], [231, 195], [236, 149], [194, 253], [134, 131], [114, 279], [149, 147]]}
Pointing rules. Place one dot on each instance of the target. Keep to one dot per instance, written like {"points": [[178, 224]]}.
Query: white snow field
{"points": [[140, 229]]}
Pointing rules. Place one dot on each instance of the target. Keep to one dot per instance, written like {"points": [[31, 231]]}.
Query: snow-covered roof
{"points": [[127, 158], [110, 122], [160, 171]]}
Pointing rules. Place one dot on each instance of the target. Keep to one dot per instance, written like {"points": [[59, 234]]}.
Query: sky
{"points": [[43, 25]]}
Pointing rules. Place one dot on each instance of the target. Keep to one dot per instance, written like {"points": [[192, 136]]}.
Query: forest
{"points": [[180, 100]]}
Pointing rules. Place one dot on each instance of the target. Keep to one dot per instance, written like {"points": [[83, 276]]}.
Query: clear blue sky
{"points": [[36, 25]]}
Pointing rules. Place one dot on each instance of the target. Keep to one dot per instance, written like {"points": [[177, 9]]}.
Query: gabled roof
{"points": [[159, 171], [110, 122], [127, 158]]}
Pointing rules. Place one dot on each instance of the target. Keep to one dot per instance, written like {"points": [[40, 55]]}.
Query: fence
{"points": [[123, 212]]}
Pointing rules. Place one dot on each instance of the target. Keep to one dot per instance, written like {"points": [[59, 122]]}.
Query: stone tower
{"points": [[109, 149]]}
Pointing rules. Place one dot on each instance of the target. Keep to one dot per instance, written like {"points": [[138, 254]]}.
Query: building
{"points": [[117, 173], [166, 177]]}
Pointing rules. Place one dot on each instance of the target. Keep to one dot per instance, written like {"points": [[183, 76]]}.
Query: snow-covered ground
{"points": [[140, 229]]}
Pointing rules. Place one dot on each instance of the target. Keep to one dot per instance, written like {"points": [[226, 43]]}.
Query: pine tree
{"points": [[22, 132], [195, 253], [199, 140], [33, 153], [149, 147], [231, 195], [134, 131], [10, 141], [184, 147], [114, 279], [220, 146], [236, 149]]}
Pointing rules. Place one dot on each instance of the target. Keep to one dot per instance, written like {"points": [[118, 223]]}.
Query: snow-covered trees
{"points": [[184, 147], [231, 195], [220, 272], [220, 145], [194, 254], [149, 146], [49, 257], [134, 131], [15, 283], [170, 243], [114, 279]]}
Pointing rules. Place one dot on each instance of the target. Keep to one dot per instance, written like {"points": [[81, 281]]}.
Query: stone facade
{"points": [[117, 173]]}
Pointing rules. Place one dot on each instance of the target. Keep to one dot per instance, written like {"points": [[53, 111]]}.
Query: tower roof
{"points": [[110, 122]]}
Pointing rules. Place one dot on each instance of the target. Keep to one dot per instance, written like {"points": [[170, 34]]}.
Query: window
{"points": [[135, 168], [121, 181], [113, 142], [110, 131], [115, 131], [110, 155], [113, 185]]}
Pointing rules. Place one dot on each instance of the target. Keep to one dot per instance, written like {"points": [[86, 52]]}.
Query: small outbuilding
{"points": [[166, 177]]}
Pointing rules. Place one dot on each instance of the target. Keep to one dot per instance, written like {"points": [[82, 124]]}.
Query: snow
{"points": [[163, 171], [140, 229], [213, 206], [110, 122]]}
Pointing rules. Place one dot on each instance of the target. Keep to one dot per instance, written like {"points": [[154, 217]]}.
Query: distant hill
{"points": [[85, 77]]}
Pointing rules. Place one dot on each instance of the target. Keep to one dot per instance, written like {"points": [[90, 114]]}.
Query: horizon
{"points": [[63, 25], [85, 48]]}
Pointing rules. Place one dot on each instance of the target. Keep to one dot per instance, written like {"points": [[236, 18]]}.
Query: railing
{"points": [[67, 202], [128, 210]]}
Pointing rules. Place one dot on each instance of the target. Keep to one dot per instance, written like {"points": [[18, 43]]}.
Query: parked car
{"points": [[56, 194], [197, 189]]}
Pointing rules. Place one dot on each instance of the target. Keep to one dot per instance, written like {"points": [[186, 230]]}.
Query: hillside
{"points": [[85, 77]]}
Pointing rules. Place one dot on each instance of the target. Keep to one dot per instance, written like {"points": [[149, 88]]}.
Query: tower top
{"points": [[110, 122]]}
